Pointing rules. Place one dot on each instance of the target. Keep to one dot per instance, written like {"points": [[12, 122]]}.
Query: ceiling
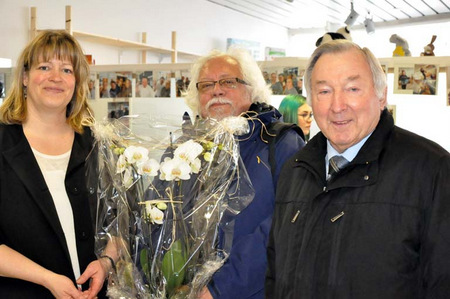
{"points": [[299, 14]]}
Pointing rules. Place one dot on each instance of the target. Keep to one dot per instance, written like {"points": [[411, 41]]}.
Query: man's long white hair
{"points": [[251, 73]]}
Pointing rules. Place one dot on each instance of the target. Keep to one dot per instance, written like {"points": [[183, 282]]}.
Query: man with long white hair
{"points": [[231, 84]]}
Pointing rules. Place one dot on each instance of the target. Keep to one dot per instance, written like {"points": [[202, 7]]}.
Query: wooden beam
{"points": [[69, 19], [33, 28], [144, 52], [174, 47]]}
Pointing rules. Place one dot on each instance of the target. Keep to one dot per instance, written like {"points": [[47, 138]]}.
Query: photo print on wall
{"points": [[403, 79], [425, 79]]}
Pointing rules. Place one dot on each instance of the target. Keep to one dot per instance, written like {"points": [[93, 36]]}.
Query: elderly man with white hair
{"points": [[231, 84]]}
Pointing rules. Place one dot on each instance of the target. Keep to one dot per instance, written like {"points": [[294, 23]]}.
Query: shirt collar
{"points": [[348, 154]]}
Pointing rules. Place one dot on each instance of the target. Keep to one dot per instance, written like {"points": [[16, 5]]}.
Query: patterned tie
{"points": [[336, 163]]}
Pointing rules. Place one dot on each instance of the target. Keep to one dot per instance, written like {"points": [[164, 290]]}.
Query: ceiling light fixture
{"points": [[351, 19], [369, 24]]}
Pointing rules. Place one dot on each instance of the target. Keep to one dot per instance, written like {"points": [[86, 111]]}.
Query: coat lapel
{"points": [[23, 162]]}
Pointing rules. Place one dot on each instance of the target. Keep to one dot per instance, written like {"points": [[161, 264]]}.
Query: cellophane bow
{"points": [[166, 200]]}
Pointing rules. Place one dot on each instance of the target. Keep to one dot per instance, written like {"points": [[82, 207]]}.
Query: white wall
{"points": [[426, 115], [200, 26]]}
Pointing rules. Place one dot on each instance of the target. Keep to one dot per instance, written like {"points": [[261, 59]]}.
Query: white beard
{"points": [[218, 113]]}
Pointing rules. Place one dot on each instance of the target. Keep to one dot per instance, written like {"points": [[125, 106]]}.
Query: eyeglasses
{"points": [[306, 115], [230, 83]]}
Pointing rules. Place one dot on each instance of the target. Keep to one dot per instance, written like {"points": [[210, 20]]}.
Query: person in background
{"points": [[91, 89], [296, 110], [165, 90], [282, 80], [180, 86], [159, 86], [289, 88], [104, 90], [125, 91], [299, 86], [231, 84], [294, 79], [403, 79], [144, 90], [277, 87], [46, 225], [114, 90], [266, 77], [363, 210]]}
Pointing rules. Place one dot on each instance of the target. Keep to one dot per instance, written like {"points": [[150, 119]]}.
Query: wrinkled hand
{"points": [[96, 271], [61, 287], [205, 294]]}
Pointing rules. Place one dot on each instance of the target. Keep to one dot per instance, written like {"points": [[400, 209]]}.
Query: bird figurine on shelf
{"points": [[401, 46]]}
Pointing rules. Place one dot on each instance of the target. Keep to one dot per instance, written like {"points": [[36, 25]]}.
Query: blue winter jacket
{"points": [[242, 276]]}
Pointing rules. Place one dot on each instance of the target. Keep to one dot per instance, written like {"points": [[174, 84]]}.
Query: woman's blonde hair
{"points": [[45, 46]]}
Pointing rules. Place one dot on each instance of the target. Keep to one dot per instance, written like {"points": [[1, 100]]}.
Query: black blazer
{"points": [[29, 222]]}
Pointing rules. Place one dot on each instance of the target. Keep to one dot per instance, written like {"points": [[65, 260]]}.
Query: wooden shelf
{"points": [[391, 62], [116, 42], [110, 41]]}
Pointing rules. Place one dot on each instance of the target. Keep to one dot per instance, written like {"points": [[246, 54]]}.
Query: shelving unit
{"points": [[115, 42], [391, 62]]}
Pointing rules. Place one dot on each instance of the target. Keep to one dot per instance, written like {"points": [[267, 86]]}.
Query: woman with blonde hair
{"points": [[46, 224]]}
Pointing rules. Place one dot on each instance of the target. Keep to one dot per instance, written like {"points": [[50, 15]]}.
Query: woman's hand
{"points": [[61, 286], [97, 272]]}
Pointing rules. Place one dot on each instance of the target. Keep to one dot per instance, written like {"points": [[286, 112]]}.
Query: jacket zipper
{"points": [[335, 249], [337, 216], [295, 216]]}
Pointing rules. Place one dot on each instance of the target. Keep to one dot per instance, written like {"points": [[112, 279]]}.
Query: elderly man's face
{"points": [[221, 102], [344, 102]]}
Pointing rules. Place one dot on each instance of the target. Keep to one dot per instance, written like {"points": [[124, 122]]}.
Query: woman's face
{"points": [[304, 114], [50, 85], [289, 83]]}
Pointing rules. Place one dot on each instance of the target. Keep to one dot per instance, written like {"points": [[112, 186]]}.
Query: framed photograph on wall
{"points": [[425, 79], [403, 79]]}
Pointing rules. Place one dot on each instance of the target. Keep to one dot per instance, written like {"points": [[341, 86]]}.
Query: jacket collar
{"points": [[259, 114], [312, 156]]}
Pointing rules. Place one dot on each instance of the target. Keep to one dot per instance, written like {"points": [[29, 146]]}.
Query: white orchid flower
{"points": [[121, 164], [127, 178], [149, 167], [196, 165], [155, 214], [136, 154], [175, 169], [188, 151]]}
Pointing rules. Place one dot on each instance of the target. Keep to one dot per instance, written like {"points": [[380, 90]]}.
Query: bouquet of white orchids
{"points": [[166, 200]]}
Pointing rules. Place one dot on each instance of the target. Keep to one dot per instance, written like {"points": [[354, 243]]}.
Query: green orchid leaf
{"points": [[173, 266], [145, 263]]}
